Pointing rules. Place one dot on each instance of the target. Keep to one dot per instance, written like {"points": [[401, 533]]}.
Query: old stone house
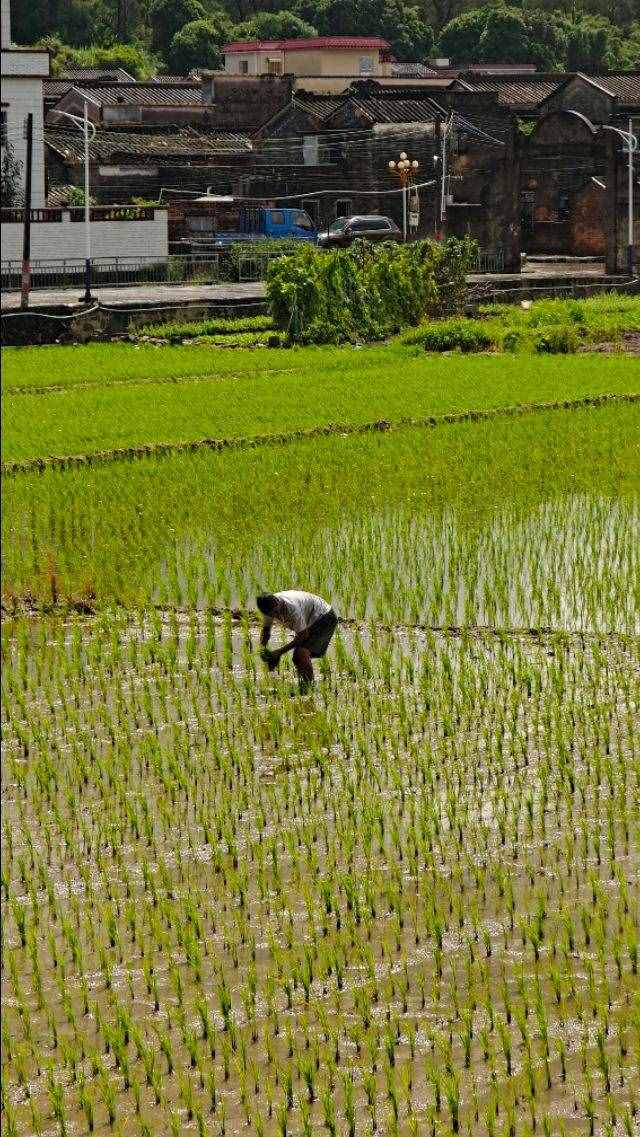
{"points": [[331, 153], [146, 163]]}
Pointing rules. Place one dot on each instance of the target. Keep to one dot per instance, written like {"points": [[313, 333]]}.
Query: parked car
{"points": [[345, 230]]}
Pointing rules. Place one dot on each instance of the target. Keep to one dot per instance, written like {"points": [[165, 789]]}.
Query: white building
{"points": [[23, 72]]}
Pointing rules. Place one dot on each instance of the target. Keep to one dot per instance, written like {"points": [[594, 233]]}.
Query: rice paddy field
{"points": [[406, 903]]}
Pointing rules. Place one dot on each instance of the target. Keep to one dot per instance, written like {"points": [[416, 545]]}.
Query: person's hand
{"points": [[271, 658]]}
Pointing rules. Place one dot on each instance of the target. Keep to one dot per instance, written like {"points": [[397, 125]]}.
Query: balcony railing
{"points": [[76, 213]]}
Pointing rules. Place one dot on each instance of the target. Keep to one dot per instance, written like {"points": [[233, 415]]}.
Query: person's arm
{"points": [[265, 634], [298, 640]]}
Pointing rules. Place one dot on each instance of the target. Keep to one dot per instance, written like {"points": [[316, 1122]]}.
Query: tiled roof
{"points": [[186, 143], [337, 43], [320, 106], [56, 88], [91, 74], [621, 85], [522, 92], [394, 109], [59, 195], [413, 71], [142, 94]]}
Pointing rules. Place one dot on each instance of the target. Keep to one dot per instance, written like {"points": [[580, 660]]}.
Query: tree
{"points": [[197, 44], [504, 37], [10, 176], [547, 41], [593, 44], [460, 38], [630, 48], [166, 17], [275, 25]]}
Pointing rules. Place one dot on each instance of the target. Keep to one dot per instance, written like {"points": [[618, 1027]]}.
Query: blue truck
{"points": [[222, 222]]}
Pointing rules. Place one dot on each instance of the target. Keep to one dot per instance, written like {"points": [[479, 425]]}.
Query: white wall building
{"points": [[23, 71], [61, 238]]}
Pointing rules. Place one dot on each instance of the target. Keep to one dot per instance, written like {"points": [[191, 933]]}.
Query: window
{"points": [[371, 224], [366, 65], [244, 66], [274, 67], [277, 217], [338, 225], [312, 208], [310, 149], [3, 128], [302, 220], [343, 207]]}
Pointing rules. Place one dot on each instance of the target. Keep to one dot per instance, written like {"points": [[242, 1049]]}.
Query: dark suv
{"points": [[345, 230]]}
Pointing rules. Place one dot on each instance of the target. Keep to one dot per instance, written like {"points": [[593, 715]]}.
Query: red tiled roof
{"points": [[338, 43]]}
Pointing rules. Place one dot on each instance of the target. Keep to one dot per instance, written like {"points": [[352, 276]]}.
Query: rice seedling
{"points": [[407, 903]]}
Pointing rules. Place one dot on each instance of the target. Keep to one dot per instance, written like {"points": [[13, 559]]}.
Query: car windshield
{"points": [[338, 225]]}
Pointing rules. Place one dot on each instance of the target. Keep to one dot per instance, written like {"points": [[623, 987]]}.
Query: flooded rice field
{"points": [[406, 903]]}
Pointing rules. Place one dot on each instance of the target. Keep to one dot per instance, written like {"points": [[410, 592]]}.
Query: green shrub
{"points": [[559, 340], [365, 292], [452, 335]]}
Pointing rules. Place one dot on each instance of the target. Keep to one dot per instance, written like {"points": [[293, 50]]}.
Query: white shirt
{"points": [[302, 609]]}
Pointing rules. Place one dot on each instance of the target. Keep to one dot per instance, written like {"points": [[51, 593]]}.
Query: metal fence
{"points": [[115, 271], [244, 263], [490, 261]]}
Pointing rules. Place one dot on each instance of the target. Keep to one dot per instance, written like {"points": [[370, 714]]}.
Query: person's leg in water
{"points": [[304, 667]]}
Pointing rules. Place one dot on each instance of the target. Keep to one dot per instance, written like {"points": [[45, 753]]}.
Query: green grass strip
{"points": [[155, 449]]}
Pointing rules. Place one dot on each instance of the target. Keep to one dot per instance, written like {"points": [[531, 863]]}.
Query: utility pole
{"points": [[26, 230], [443, 174], [89, 132], [87, 210], [632, 138]]}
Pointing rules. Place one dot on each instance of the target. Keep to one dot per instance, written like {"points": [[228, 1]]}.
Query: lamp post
{"points": [[404, 169], [631, 141], [86, 126]]}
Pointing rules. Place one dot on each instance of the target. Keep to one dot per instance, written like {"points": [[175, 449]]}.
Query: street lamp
{"points": [[631, 140], [404, 169], [86, 126]]}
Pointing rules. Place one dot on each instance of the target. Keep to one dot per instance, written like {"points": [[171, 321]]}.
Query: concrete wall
{"points": [[6, 22], [22, 74], [64, 239]]}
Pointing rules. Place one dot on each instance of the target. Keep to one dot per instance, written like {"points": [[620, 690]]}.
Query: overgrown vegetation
{"points": [[366, 292], [545, 326]]}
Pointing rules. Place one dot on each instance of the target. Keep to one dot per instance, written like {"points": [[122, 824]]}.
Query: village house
{"points": [[144, 163], [125, 104], [319, 55], [23, 73], [330, 154]]}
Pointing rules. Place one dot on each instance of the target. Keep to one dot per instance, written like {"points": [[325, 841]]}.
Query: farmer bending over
{"points": [[309, 617]]}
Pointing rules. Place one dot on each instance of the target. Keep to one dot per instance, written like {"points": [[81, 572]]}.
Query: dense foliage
{"points": [[184, 33], [364, 293], [552, 40]]}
